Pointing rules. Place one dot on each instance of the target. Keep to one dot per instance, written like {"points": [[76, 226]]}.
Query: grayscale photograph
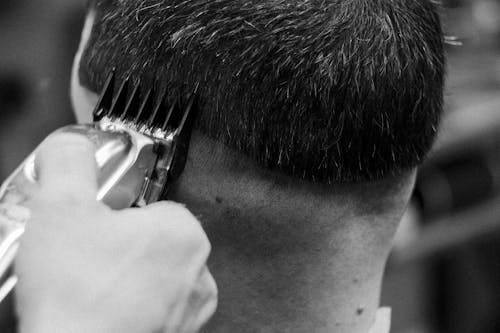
{"points": [[249, 166]]}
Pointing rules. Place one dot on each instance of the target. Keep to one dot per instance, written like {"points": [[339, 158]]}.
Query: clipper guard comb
{"points": [[141, 145]]}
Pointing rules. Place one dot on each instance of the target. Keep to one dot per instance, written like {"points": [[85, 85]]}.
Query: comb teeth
{"points": [[188, 118], [106, 99], [151, 109], [146, 108], [133, 104], [171, 118], [120, 102]]}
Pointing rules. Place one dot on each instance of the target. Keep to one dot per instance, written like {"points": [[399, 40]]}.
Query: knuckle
{"points": [[63, 141], [61, 198], [60, 192], [178, 214], [63, 145], [210, 300], [205, 245], [178, 210], [213, 289], [182, 228], [194, 238]]}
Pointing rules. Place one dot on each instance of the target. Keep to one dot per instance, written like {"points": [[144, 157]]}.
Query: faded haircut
{"points": [[323, 90]]}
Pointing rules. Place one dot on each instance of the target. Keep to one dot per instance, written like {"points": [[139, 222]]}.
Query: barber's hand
{"points": [[85, 268]]}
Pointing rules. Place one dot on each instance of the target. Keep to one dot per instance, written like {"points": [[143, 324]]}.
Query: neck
{"points": [[315, 283], [290, 256]]}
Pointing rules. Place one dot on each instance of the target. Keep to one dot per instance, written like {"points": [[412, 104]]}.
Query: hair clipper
{"points": [[141, 145]]}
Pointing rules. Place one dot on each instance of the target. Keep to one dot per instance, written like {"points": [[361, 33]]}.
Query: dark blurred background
{"points": [[37, 41], [444, 273]]}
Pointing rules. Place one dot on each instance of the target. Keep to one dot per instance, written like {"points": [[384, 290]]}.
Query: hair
{"points": [[324, 90]]}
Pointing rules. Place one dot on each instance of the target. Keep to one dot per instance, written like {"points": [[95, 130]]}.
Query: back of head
{"points": [[311, 91], [327, 91]]}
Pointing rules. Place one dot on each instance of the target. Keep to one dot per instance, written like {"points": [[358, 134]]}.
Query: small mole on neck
{"points": [[218, 200], [360, 311]]}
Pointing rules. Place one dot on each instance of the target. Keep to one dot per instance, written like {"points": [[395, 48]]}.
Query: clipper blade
{"points": [[151, 114], [148, 111]]}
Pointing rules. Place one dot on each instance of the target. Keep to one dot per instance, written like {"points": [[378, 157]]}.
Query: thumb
{"points": [[66, 166]]}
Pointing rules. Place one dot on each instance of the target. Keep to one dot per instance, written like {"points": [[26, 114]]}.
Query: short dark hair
{"points": [[328, 91]]}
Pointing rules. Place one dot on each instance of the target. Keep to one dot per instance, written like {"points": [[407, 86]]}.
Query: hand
{"points": [[83, 267]]}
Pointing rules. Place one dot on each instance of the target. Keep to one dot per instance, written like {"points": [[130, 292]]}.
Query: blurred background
{"points": [[444, 272]]}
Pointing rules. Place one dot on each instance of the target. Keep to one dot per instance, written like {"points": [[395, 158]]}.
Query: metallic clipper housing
{"points": [[141, 145]]}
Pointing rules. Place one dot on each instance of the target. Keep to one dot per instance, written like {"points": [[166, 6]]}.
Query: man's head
{"points": [[314, 115], [321, 90]]}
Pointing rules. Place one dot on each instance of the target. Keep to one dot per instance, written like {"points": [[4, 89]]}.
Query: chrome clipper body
{"points": [[141, 147]]}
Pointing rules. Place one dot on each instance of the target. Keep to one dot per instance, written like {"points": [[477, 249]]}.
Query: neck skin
{"points": [[290, 256]]}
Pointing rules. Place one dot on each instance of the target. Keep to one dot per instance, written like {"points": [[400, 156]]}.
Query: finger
{"points": [[200, 307], [16, 190], [66, 166], [208, 302], [176, 223]]}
